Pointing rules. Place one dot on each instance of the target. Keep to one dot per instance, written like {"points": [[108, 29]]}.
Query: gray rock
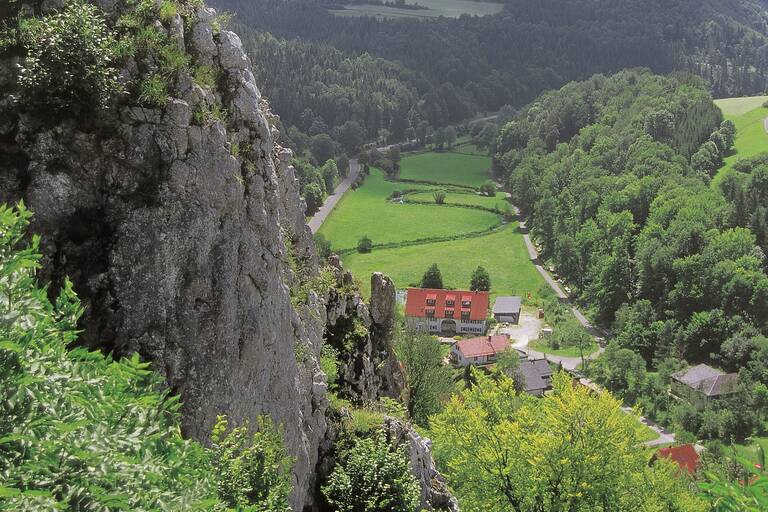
{"points": [[435, 494], [231, 53]]}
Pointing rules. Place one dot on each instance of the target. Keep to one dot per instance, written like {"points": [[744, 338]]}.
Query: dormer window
{"points": [[449, 313], [464, 314], [466, 301], [430, 312], [431, 299]]}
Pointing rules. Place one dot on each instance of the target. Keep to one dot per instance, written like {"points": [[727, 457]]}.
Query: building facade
{"points": [[507, 309], [446, 311]]}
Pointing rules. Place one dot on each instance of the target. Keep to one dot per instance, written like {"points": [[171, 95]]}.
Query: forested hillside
{"points": [[603, 170], [481, 63], [319, 89]]}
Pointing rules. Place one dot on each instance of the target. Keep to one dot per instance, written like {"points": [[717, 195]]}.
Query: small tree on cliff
{"points": [[373, 477], [432, 277]]}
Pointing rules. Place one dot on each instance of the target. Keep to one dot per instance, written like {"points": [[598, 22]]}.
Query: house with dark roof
{"points": [[702, 384], [507, 309], [684, 456], [446, 311], [535, 376], [479, 351]]}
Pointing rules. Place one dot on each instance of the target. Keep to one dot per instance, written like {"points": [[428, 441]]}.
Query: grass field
{"points": [[435, 8], [367, 212], [540, 345], [454, 168], [748, 114], [503, 255], [740, 106]]}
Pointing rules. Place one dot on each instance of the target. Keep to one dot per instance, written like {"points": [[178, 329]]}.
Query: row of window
{"points": [[450, 303]]}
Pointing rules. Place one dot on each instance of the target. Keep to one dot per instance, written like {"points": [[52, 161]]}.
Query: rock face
{"points": [[434, 490], [177, 243], [363, 335]]}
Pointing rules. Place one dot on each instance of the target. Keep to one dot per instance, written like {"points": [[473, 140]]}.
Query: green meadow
{"points": [[451, 168], [367, 211], [748, 114], [502, 253]]}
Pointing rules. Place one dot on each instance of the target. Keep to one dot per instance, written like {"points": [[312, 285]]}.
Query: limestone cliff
{"points": [[176, 242], [185, 237]]}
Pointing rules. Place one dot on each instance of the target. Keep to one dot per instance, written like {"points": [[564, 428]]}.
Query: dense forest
{"points": [[475, 64], [614, 174]]}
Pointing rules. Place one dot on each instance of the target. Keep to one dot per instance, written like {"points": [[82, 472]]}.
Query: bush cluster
{"points": [[70, 59]]}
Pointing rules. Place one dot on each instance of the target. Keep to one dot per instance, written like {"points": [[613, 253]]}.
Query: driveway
{"points": [[330, 202]]}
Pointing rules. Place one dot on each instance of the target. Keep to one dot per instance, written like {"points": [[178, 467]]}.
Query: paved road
{"points": [[571, 363], [534, 255], [330, 202]]}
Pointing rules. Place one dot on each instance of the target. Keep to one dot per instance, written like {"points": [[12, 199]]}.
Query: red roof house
{"points": [[684, 456], [481, 350], [459, 311]]}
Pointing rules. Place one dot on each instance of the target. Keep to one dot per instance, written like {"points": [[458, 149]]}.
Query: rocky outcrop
{"points": [[435, 494], [176, 242], [363, 336]]}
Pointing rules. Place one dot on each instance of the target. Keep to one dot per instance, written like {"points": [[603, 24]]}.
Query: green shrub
{"points": [[69, 59], [373, 477], [253, 471], [205, 76], [208, 115], [329, 363], [167, 11], [364, 245], [173, 60], [439, 197], [153, 91]]}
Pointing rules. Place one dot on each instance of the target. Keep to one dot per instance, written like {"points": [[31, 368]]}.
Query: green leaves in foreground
{"points": [[81, 431], [375, 477]]}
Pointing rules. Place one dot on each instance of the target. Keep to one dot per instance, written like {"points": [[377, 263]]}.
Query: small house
{"points": [[507, 309], [702, 384], [534, 376], [684, 456], [479, 351], [446, 311]]}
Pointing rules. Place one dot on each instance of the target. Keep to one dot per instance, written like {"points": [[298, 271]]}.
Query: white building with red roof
{"points": [[446, 311], [480, 351]]}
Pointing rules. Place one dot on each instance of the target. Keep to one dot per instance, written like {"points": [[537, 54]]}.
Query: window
{"points": [[465, 315], [430, 312], [449, 313]]}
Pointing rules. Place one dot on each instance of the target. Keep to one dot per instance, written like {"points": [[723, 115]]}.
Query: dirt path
{"points": [[330, 202]]}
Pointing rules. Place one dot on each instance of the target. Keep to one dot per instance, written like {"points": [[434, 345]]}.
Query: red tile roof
{"points": [[416, 302], [684, 455], [483, 346]]}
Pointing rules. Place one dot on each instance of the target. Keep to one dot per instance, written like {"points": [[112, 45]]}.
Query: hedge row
{"points": [[430, 240]]}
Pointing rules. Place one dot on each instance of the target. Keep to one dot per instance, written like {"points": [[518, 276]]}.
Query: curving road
{"points": [[330, 202], [571, 363]]}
